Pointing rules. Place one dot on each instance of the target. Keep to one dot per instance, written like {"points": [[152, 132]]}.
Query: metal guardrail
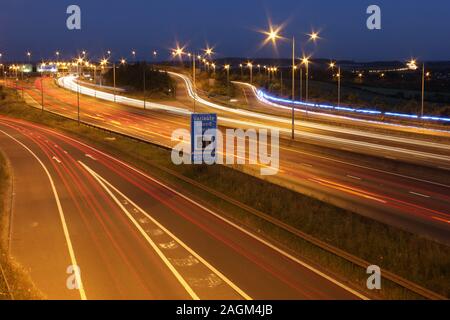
{"points": [[406, 284]]}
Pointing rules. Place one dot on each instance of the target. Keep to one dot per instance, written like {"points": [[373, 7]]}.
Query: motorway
{"points": [[410, 197], [132, 236]]}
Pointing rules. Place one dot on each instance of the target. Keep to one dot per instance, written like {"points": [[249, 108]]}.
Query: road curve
{"points": [[412, 199], [132, 236]]}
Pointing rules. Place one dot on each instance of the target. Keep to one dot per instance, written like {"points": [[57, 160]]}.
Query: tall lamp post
{"points": [[194, 79], [338, 76], [3, 67], [412, 65], [227, 68], [305, 61], [145, 84], [423, 90], [179, 52], [273, 35]]}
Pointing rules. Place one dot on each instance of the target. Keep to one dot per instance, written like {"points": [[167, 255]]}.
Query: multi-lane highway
{"points": [[414, 198], [132, 236], [411, 198]]}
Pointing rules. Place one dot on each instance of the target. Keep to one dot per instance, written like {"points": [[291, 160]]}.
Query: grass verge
{"points": [[414, 258], [14, 281]]}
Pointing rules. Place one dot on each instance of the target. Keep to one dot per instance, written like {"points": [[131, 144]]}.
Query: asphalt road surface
{"points": [[411, 197], [132, 236]]}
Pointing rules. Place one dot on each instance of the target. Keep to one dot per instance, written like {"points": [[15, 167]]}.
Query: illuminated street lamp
{"points": [[338, 75], [313, 36], [3, 67], [57, 56], [209, 51], [242, 70], [412, 65], [423, 90], [180, 52], [272, 36], [227, 68], [250, 67], [133, 53], [305, 61], [29, 56]]}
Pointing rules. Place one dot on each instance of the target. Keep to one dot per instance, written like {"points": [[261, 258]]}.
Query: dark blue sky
{"points": [[409, 27]]}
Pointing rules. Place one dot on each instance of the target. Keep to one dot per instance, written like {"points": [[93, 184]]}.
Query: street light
{"points": [[180, 52], [250, 66], [305, 61], [133, 53], [412, 65], [3, 67], [313, 36], [423, 90], [42, 86], [227, 68], [209, 51], [272, 36], [338, 75]]}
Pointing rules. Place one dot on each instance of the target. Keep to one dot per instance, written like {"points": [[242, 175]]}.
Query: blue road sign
{"points": [[203, 138]]}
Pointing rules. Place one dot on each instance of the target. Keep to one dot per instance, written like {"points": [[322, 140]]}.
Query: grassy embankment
{"points": [[14, 282], [414, 258]]}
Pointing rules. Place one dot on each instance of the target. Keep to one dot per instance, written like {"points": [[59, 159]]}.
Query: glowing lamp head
{"points": [[209, 51], [314, 36]]}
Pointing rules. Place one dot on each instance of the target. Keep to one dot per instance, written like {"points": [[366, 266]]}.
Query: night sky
{"points": [[410, 28]]}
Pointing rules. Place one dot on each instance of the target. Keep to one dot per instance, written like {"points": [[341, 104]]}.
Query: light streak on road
{"points": [[70, 83]]}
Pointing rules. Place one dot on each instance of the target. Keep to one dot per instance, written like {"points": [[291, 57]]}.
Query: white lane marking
{"points": [[144, 234], [419, 194], [369, 168], [353, 177], [106, 185], [62, 217], [56, 159], [268, 244], [90, 157]]}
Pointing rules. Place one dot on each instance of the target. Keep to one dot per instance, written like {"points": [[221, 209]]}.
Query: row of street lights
{"points": [[273, 35]]}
